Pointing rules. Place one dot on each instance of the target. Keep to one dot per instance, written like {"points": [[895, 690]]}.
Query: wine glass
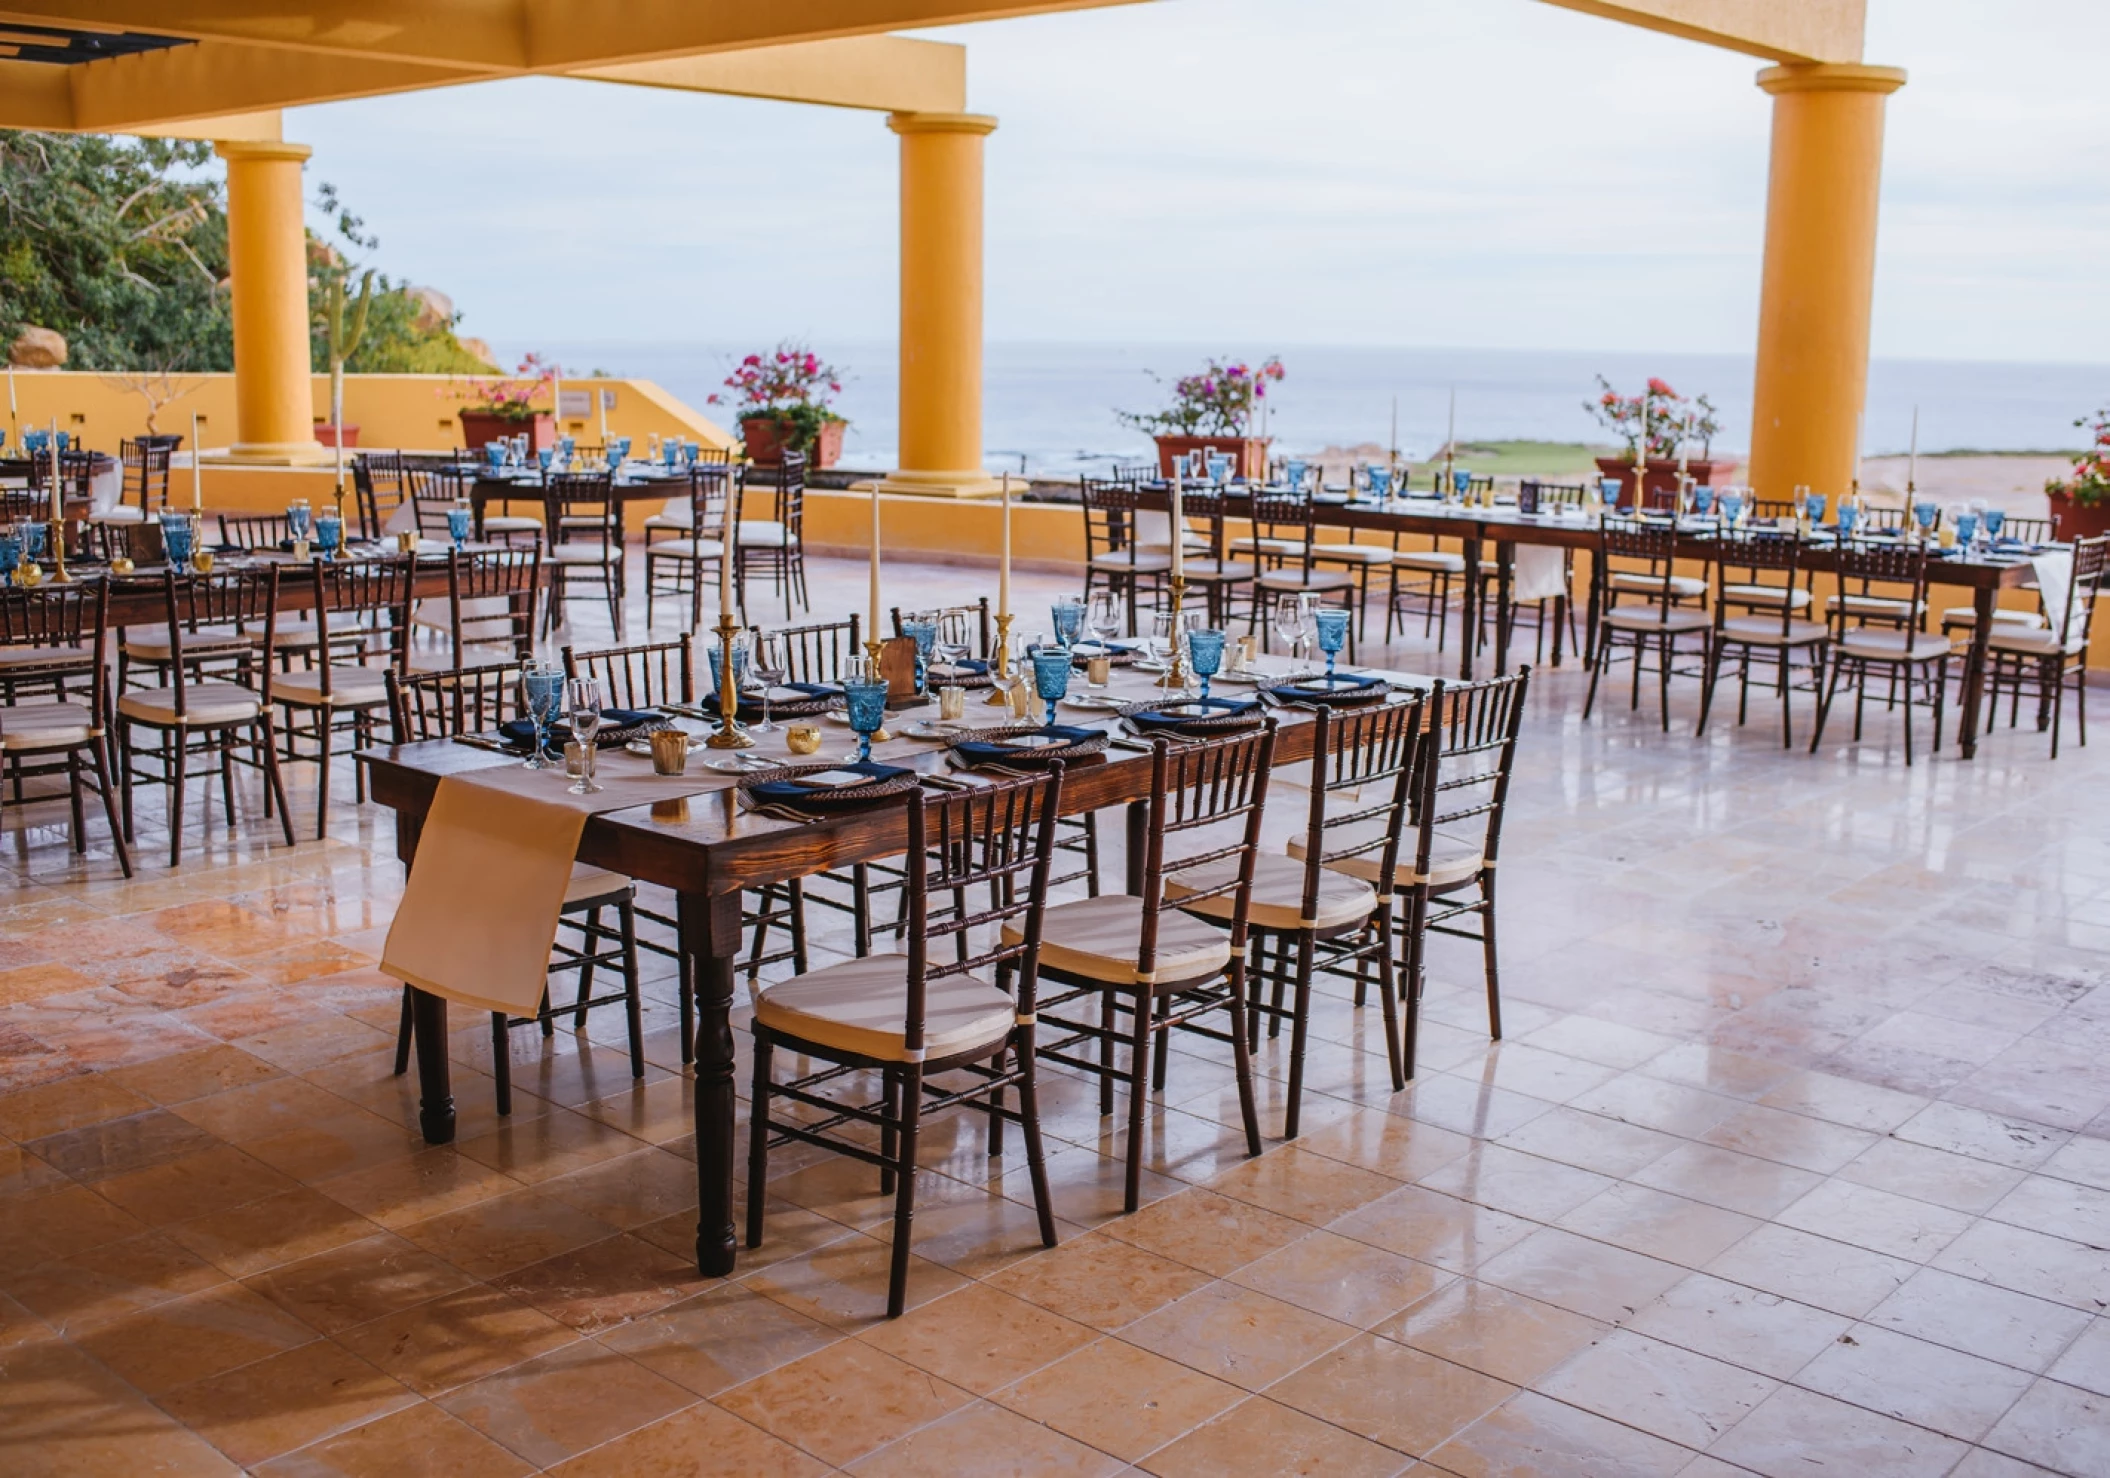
{"points": [[1068, 616], [921, 627], [1051, 676], [865, 693], [1205, 651], [1330, 628], [582, 708], [541, 691], [1104, 617], [769, 664], [952, 657], [1007, 680]]}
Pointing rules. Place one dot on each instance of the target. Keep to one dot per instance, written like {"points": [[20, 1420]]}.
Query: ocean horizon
{"points": [[1049, 408]]}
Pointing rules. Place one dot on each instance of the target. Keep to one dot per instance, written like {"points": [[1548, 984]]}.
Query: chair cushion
{"points": [[1355, 554], [1301, 580], [1893, 646], [2040, 642], [205, 703], [351, 686], [1142, 564], [679, 513], [511, 523], [583, 553], [686, 549], [1164, 546], [1435, 561], [1452, 859], [1267, 546], [1682, 587], [1216, 569], [47, 726], [1764, 595], [1099, 938], [1278, 894], [1872, 605], [19, 662], [1655, 618], [120, 513], [291, 632], [1968, 616], [858, 1005], [595, 885], [1764, 631], [151, 643], [764, 533]]}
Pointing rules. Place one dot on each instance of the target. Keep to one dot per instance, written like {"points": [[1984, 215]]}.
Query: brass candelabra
{"points": [[1000, 662], [1175, 675], [731, 733], [873, 647]]}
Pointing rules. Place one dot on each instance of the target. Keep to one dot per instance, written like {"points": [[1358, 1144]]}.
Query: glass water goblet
{"points": [[299, 519], [1926, 514], [1104, 617], [1051, 676], [582, 707], [1330, 627], [1068, 617], [541, 695], [921, 627], [458, 521], [865, 693], [1205, 651], [10, 555], [1992, 521], [769, 664], [952, 656], [717, 651], [175, 539], [329, 534]]}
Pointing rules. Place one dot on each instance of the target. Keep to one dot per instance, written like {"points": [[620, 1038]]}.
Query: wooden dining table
{"points": [[708, 849], [1505, 529], [644, 483]]}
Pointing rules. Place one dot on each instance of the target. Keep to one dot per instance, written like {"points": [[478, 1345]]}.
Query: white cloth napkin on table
{"points": [[1540, 573]]}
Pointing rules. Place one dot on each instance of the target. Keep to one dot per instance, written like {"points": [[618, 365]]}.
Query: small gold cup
{"points": [[300, 551], [30, 574], [201, 561], [1099, 671], [406, 541], [121, 565], [670, 751], [803, 739], [952, 702], [574, 759]]}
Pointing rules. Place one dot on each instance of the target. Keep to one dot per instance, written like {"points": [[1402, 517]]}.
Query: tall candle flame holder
{"points": [[731, 733], [1000, 662], [873, 647]]}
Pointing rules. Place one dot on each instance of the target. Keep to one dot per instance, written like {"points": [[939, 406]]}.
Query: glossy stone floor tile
{"points": [[1795, 1157]]}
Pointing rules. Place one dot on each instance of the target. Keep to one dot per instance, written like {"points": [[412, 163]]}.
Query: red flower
{"points": [[1657, 387]]}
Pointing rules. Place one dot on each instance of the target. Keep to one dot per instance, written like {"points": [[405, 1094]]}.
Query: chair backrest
{"points": [[1195, 787], [643, 675], [24, 505], [1290, 518], [1749, 559], [714, 498], [791, 496], [1884, 571], [986, 855], [1109, 517], [1363, 769], [64, 619], [968, 626], [2074, 617], [146, 465], [1776, 510], [441, 705], [1134, 474], [253, 530], [362, 608], [821, 652], [476, 581], [578, 495], [2029, 530], [432, 492], [244, 598], [1469, 755], [1645, 552], [1208, 506]]}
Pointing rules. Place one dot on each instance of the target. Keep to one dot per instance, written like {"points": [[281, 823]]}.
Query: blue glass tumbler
{"points": [[866, 694], [1205, 652], [1332, 623], [1051, 676]]}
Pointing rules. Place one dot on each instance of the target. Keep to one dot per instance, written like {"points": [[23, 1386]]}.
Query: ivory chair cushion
{"points": [[46, 726], [1452, 859], [1216, 569], [1267, 546], [351, 686], [1682, 587], [1677, 620], [1435, 561], [1357, 554], [583, 553], [1897, 646], [1297, 579], [18, 662], [205, 704], [1099, 938], [151, 643], [1873, 605], [1278, 894], [1765, 631], [2040, 642], [1142, 564], [679, 513], [590, 885], [686, 549], [1764, 595], [764, 533], [1968, 616], [858, 1006], [512, 523]]}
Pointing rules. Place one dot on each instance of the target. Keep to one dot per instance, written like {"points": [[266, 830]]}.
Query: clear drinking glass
{"points": [[1330, 626], [921, 627], [718, 672], [1105, 616], [582, 707], [541, 694], [769, 665], [952, 655], [1051, 676], [865, 693], [1205, 650]]}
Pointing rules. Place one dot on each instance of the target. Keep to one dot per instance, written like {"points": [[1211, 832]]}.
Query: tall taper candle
{"points": [[730, 537], [1912, 460], [872, 618], [197, 471], [1179, 529], [58, 493], [1003, 574]]}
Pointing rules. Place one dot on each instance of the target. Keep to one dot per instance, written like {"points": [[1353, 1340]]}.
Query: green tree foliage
{"points": [[121, 245], [117, 244]]}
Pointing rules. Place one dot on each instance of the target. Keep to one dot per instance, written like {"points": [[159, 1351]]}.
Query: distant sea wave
{"points": [[1049, 408]]}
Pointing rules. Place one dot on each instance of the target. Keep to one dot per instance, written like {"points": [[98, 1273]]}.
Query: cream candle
{"points": [[197, 471], [58, 493], [1912, 458], [1179, 527], [1003, 573], [872, 632]]}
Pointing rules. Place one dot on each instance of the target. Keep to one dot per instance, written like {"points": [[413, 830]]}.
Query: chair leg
{"points": [[266, 741], [117, 832], [502, 1062], [176, 778], [1410, 984], [592, 946], [905, 1192], [1596, 665], [758, 1136], [626, 918], [1029, 1116], [1707, 687], [1388, 997], [1138, 1095], [1299, 1026], [1242, 1055], [1487, 951], [1830, 689], [322, 773], [80, 811]]}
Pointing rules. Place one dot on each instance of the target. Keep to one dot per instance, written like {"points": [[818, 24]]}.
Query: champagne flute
{"points": [[582, 706], [768, 665]]}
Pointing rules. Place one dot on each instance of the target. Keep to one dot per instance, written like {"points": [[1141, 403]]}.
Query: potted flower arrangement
{"points": [[1667, 424], [784, 399], [2080, 504], [504, 405], [1212, 410]]}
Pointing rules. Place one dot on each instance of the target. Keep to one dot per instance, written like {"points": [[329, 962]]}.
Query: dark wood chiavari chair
{"points": [[1744, 562], [775, 547], [1870, 634], [1289, 526], [253, 531], [1145, 954], [924, 1019], [2048, 660], [1636, 600], [441, 705], [379, 486], [695, 547], [491, 596], [1113, 556], [1217, 577], [43, 631], [362, 632], [591, 553]]}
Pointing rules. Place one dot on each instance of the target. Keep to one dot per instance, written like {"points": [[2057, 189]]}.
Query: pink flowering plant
{"points": [[2089, 483], [789, 385], [1219, 400], [1659, 415], [510, 397]]}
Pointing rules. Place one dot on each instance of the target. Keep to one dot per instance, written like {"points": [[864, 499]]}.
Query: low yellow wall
{"points": [[408, 412]]}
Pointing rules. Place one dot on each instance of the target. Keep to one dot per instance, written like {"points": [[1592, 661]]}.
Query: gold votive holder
{"points": [[300, 551], [670, 751], [121, 565], [803, 739], [202, 561], [1099, 671], [574, 759], [952, 702], [29, 575], [406, 541]]}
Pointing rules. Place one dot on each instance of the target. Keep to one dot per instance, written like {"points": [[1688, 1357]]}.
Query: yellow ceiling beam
{"points": [[249, 128], [1778, 30], [891, 74], [33, 95], [183, 83]]}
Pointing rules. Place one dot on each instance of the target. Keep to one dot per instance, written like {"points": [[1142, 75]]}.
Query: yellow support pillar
{"points": [[1820, 269], [267, 266], [941, 305]]}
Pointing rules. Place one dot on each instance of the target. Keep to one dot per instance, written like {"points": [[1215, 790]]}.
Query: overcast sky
{"points": [[1491, 173]]}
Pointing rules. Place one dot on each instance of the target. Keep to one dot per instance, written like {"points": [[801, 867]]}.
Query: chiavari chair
{"points": [[43, 632], [1773, 627], [775, 547], [2050, 659], [696, 546], [1871, 634]]}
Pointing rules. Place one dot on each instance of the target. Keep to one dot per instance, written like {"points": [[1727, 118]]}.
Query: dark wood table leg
{"points": [[1505, 572], [1974, 671], [1471, 623], [710, 934], [428, 1029]]}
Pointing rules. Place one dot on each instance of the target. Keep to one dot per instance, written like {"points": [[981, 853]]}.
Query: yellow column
{"points": [[267, 265], [941, 305], [1820, 269]]}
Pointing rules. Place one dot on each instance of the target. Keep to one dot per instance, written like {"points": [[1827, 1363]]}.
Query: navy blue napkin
{"points": [[521, 732], [983, 752], [1345, 686], [1152, 721], [751, 703]]}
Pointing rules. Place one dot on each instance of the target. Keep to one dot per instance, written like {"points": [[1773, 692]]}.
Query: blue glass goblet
{"points": [[1205, 653], [458, 523], [1703, 501], [1732, 506], [1461, 481], [544, 457], [1608, 491], [33, 540], [1848, 517], [175, 540], [1293, 474], [1926, 515], [866, 697], [1332, 623], [1381, 482], [1068, 616], [1816, 507], [1966, 529], [494, 455], [1051, 676], [923, 628], [716, 651], [329, 533], [10, 556], [298, 519], [1995, 519]]}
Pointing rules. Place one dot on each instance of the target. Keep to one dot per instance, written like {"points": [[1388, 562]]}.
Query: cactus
{"points": [[342, 338]]}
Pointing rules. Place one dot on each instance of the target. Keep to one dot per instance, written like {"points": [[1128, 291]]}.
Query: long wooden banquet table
{"points": [[708, 849], [1504, 528], [140, 599], [636, 483]]}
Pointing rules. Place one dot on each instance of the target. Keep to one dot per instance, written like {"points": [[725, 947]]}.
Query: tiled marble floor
{"points": [[1796, 1160]]}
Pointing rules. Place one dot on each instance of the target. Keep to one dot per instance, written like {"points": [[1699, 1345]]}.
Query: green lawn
{"points": [[1571, 459]]}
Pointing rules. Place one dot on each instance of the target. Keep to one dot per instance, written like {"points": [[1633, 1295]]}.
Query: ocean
{"points": [[1048, 409]]}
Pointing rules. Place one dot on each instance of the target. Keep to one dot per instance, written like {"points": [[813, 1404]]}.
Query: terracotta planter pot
{"points": [[759, 434], [1662, 474], [327, 434], [1249, 452], [2071, 520], [480, 427]]}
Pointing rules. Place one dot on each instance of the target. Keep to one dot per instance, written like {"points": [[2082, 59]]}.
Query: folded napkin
{"points": [[1159, 721], [797, 797], [986, 752], [945, 672], [520, 732], [1540, 573], [779, 695]]}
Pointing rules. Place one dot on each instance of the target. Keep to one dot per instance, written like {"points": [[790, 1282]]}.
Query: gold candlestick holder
{"points": [[1175, 675], [873, 647], [1000, 662], [731, 734]]}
